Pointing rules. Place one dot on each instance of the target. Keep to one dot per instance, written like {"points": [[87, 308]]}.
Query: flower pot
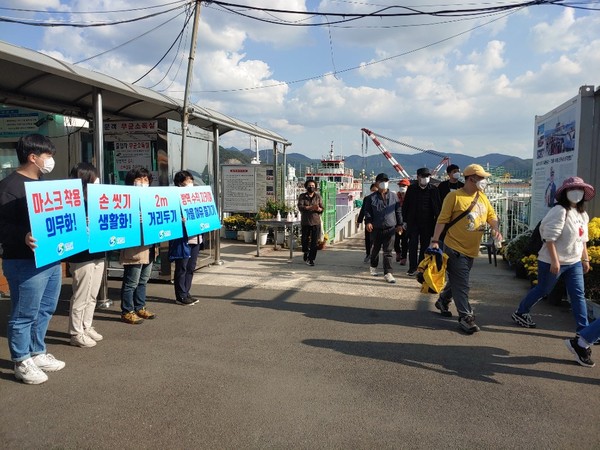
{"points": [[280, 237], [249, 236], [593, 310], [263, 238], [230, 234], [240, 235]]}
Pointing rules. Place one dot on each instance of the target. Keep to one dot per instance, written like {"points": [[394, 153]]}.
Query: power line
{"points": [[130, 40], [177, 54], [349, 69], [43, 11], [86, 25], [167, 52]]}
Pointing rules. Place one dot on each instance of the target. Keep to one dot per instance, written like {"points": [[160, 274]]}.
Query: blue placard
{"points": [[161, 214], [199, 210], [114, 217], [57, 216]]}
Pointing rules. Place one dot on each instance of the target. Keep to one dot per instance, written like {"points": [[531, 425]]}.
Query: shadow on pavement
{"points": [[475, 363]]}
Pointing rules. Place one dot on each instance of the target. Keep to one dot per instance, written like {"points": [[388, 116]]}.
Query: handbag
{"points": [[460, 216], [179, 249]]}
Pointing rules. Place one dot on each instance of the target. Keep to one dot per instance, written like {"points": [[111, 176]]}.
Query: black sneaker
{"points": [[411, 273], [311, 263], [523, 319], [467, 323], [442, 305], [582, 355], [188, 301]]}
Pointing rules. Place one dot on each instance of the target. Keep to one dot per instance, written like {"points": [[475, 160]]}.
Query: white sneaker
{"points": [[47, 362], [374, 271], [29, 373], [91, 332], [389, 278], [82, 340]]}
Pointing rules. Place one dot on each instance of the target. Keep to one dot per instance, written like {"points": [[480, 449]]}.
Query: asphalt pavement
{"points": [[277, 354]]}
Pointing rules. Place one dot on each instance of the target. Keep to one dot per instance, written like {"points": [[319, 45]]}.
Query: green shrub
{"points": [[514, 251]]}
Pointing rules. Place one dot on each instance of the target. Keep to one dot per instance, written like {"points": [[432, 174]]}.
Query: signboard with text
{"points": [[246, 188], [199, 209], [57, 216], [161, 214], [114, 217]]}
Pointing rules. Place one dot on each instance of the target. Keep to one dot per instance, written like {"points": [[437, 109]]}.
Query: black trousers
{"points": [[368, 243], [419, 238], [310, 236], [401, 244], [383, 238]]}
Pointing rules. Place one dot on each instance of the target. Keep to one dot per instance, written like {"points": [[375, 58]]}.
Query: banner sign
{"points": [[161, 214], [199, 209], [114, 217], [57, 216]]}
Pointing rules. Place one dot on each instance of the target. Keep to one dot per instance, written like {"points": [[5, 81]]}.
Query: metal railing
{"points": [[514, 211]]}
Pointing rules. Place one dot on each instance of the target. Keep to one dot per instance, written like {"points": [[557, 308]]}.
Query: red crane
{"points": [[403, 173]]}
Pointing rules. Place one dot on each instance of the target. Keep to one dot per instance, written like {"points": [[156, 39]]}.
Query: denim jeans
{"points": [[33, 295], [591, 333], [573, 277], [133, 290], [184, 273], [458, 271]]}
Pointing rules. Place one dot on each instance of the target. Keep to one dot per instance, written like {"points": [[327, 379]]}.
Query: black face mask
{"points": [[310, 189]]}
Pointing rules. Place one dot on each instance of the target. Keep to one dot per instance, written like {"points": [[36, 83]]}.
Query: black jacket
{"points": [[444, 188], [410, 207]]}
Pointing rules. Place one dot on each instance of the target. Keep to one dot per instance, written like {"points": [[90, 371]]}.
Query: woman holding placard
{"points": [[137, 265], [86, 270]]}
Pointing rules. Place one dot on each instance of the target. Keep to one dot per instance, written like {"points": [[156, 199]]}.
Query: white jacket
{"points": [[568, 229]]}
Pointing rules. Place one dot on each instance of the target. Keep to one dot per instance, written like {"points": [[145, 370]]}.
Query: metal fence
{"points": [[514, 211], [328, 192]]}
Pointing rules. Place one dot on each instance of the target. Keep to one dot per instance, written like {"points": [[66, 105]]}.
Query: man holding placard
{"points": [[34, 290]]}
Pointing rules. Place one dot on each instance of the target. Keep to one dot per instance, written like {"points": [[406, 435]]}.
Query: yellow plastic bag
{"points": [[433, 280]]}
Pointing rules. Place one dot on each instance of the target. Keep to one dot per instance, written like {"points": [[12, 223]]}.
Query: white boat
{"points": [[332, 168]]}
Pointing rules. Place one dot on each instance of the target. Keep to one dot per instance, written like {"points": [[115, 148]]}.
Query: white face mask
{"points": [[384, 185], [402, 189], [424, 181], [188, 184], [140, 184], [481, 184], [456, 175], [575, 195], [97, 181], [48, 165]]}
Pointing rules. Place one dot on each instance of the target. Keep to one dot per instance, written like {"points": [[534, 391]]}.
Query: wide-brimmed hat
{"points": [[577, 183], [404, 182], [382, 177], [475, 169]]}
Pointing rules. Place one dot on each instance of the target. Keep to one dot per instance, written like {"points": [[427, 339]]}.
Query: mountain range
{"points": [[497, 163]]}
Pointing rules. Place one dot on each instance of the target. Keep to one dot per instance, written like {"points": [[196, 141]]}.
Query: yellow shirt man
{"points": [[465, 235]]}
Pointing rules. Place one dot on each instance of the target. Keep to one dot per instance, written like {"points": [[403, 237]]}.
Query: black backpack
{"points": [[535, 242]]}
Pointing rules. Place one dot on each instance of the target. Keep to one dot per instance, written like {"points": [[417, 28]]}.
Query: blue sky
{"points": [[475, 93]]}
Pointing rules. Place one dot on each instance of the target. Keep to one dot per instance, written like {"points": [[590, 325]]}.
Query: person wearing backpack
{"points": [[564, 231]]}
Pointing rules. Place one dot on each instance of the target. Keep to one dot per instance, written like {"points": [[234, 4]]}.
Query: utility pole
{"points": [[188, 83]]}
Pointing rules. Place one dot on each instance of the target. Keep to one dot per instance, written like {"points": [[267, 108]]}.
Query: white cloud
{"points": [[558, 35]]}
